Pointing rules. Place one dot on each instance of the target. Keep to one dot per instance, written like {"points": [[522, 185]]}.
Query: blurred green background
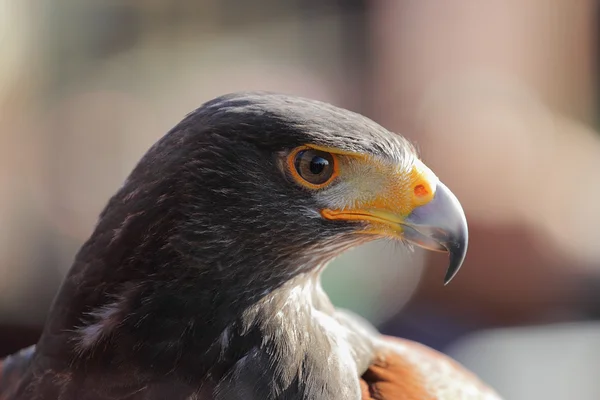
{"points": [[501, 98]]}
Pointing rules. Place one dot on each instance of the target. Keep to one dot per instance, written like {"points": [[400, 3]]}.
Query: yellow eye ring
{"points": [[312, 168]]}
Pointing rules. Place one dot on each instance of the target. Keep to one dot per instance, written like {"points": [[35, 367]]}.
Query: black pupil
{"points": [[318, 164]]}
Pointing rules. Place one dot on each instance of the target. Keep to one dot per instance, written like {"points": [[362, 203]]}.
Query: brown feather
{"points": [[411, 371]]}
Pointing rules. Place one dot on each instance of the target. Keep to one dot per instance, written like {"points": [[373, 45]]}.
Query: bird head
{"points": [[267, 186]]}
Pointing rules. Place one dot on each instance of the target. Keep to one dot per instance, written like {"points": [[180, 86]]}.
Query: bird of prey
{"points": [[201, 279]]}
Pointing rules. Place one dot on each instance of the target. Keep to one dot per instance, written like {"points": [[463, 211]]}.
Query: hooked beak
{"points": [[414, 206], [440, 225]]}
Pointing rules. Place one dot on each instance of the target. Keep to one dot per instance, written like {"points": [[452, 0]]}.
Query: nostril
{"points": [[421, 190]]}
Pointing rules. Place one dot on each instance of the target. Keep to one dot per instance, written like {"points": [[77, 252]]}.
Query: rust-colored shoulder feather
{"points": [[411, 371]]}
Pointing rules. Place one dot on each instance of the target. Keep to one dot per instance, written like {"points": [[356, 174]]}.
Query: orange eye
{"points": [[313, 168]]}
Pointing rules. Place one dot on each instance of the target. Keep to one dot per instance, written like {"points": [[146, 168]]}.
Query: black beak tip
{"points": [[457, 257], [451, 273]]}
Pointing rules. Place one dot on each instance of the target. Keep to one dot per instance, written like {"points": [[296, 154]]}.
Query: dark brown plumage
{"points": [[201, 279]]}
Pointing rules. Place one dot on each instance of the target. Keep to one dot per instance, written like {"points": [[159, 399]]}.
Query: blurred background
{"points": [[501, 98]]}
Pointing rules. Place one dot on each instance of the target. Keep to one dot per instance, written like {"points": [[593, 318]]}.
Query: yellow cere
{"points": [[377, 190]]}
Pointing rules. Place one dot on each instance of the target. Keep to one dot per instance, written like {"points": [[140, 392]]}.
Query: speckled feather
{"points": [[201, 278]]}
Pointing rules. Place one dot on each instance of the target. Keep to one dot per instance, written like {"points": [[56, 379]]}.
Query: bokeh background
{"points": [[500, 96]]}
